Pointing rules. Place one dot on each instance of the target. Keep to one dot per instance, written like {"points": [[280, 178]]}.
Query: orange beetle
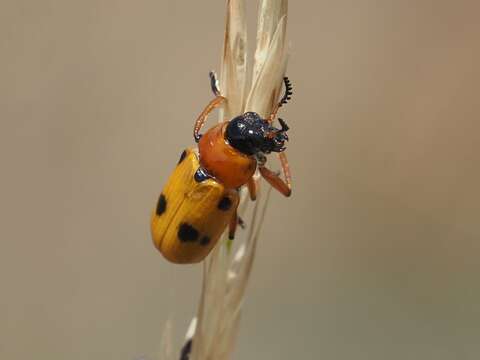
{"points": [[201, 197]]}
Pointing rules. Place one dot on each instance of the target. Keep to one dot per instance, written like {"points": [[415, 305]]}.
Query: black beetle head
{"points": [[251, 134]]}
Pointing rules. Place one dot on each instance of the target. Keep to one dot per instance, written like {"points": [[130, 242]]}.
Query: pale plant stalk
{"points": [[226, 271]]}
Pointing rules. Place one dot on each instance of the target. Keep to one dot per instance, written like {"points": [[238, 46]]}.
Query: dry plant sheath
{"points": [[209, 187]]}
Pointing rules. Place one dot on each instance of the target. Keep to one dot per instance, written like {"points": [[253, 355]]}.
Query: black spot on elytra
{"points": [[200, 175], [161, 205], [225, 203], [187, 233], [204, 240], [184, 153]]}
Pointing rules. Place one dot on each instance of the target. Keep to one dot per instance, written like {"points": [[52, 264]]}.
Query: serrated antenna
{"points": [[288, 92]]}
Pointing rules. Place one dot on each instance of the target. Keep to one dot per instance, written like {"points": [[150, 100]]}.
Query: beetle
{"points": [[201, 196]]}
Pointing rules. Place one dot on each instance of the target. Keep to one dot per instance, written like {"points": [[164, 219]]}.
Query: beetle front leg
{"points": [[283, 186], [286, 170]]}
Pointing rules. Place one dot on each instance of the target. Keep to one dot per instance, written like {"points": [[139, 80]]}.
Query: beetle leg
{"points": [[216, 102], [232, 227], [286, 169], [284, 186], [252, 188]]}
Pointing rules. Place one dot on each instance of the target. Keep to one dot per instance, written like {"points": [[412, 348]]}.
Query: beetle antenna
{"points": [[186, 350], [214, 83], [288, 92], [284, 125]]}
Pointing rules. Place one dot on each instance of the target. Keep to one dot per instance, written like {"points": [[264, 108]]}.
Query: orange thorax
{"points": [[228, 165]]}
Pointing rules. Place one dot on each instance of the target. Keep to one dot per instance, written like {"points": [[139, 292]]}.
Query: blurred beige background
{"points": [[376, 255]]}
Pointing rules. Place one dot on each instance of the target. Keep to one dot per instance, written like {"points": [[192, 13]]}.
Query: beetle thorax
{"points": [[225, 163]]}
